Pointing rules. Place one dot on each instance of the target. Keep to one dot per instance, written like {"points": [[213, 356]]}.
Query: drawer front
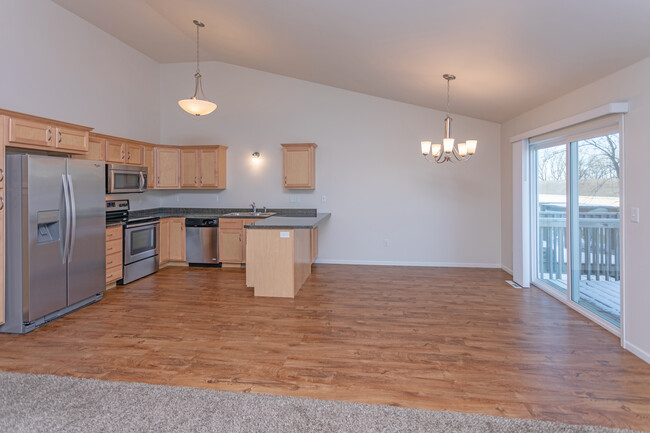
{"points": [[113, 247], [113, 260], [113, 274], [113, 233], [231, 223]]}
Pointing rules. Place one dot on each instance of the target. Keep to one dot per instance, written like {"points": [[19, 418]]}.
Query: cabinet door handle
{"points": [[240, 238], [122, 153], [194, 180], [60, 136], [109, 249], [2, 175], [285, 180], [2, 203], [49, 134], [129, 156]]}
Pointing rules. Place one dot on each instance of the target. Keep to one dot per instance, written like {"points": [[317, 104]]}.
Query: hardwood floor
{"points": [[430, 338]]}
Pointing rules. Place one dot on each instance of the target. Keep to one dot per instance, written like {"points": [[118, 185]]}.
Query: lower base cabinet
{"points": [[113, 254], [232, 240], [172, 240]]}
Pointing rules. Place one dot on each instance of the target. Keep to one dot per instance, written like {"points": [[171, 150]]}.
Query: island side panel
{"points": [[302, 257], [271, 265]]}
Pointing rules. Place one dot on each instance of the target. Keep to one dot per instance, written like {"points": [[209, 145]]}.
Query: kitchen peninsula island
{"points": [[279, 254]]}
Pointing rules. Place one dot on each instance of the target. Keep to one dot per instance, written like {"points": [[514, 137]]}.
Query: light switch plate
{"points": [[634, 215]]}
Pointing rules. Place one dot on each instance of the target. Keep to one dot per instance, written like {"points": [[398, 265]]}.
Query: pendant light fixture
{"points": [[440, 153], [194, 105]]}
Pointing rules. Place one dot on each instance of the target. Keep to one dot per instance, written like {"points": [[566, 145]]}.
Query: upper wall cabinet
{"points": [[168, 164], [38, 133], [203, 167], [299, 162]]}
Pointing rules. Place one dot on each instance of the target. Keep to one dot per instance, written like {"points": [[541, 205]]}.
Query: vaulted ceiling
{"points": [[509, 55]]}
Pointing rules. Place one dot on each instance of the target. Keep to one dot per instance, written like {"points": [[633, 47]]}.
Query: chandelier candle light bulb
{"points": [[443, 153]]}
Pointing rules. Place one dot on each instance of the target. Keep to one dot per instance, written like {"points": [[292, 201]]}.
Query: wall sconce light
{"points": [[256, 155]]}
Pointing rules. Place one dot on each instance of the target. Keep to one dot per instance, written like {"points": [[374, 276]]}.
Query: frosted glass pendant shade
{"points": [[448, 144], [426, 146], [435, 149], [197, 107], [471, 146], [462, 149]]}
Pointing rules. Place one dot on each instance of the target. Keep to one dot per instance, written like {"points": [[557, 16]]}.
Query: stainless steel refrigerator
{"points": [[56, 238]]}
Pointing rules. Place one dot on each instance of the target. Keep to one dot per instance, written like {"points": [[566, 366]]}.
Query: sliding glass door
{"points": [[595, 224], [551, 216], [576, 215]]}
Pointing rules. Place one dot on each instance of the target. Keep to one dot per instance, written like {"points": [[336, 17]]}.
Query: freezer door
{"points": [[44, 231], [87, 251]]}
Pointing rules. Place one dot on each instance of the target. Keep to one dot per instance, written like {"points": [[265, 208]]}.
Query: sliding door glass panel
{"points": [[550, 163], [595, 204]]}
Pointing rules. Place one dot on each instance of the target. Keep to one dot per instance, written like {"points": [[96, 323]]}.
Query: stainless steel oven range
{"points": [[141, 248]]}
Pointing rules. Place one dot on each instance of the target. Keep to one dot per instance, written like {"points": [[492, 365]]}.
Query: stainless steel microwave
{"points": [[126, 178]]}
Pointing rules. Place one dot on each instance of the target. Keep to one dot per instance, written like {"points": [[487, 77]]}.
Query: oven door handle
{"points": [[150, 223]]}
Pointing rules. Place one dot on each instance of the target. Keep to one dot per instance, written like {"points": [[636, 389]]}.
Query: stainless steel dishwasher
{"points": [[202, 241]]}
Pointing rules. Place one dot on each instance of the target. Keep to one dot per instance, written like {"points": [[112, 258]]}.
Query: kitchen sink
{"points": [[250, 214]]}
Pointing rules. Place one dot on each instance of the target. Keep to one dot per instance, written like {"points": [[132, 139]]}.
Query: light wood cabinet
{"points": [[167, 168], [96, 149], [115, 152], [232, 239], [148, 160], [71, 139], [172, 240], [113, 254], [189, 168], [38, 133], [299, 162], [203, 167], [23, 131], [164, 240], [177, 239], [134, 154], [314, 243]]}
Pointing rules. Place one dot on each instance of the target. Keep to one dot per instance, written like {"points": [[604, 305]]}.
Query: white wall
{"points": [[56, 65], [368, 165], [630, 84]]}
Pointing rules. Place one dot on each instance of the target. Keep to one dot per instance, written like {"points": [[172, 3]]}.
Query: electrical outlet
{"points": [[634, 215], [387, 242], [323, 198], [295, 198]]}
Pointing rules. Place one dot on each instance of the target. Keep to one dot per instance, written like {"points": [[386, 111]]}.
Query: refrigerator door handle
{"points": [[66, 199], [73, 228]]}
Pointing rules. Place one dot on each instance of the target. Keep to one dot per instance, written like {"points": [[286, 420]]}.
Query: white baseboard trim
{"points": [[507, 269], [422, 264], [637, 351]]}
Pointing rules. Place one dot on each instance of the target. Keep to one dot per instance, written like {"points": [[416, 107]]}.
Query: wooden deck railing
{"points": [[599, 244]]}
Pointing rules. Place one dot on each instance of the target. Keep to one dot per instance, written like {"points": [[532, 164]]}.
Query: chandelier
{"points": [[194, 105], [444, 152]]}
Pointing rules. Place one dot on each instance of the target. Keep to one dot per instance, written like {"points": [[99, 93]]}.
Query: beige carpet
{"points": [[42, 403]]}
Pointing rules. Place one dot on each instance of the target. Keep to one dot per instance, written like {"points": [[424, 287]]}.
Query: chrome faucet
{"points": [[254, 207]]}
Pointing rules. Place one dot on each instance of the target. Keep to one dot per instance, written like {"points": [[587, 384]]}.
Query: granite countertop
{"points": [[211, 213], [287, 222]]}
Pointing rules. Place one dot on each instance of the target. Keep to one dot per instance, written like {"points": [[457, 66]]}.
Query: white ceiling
{"points": [[509, 55]]}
